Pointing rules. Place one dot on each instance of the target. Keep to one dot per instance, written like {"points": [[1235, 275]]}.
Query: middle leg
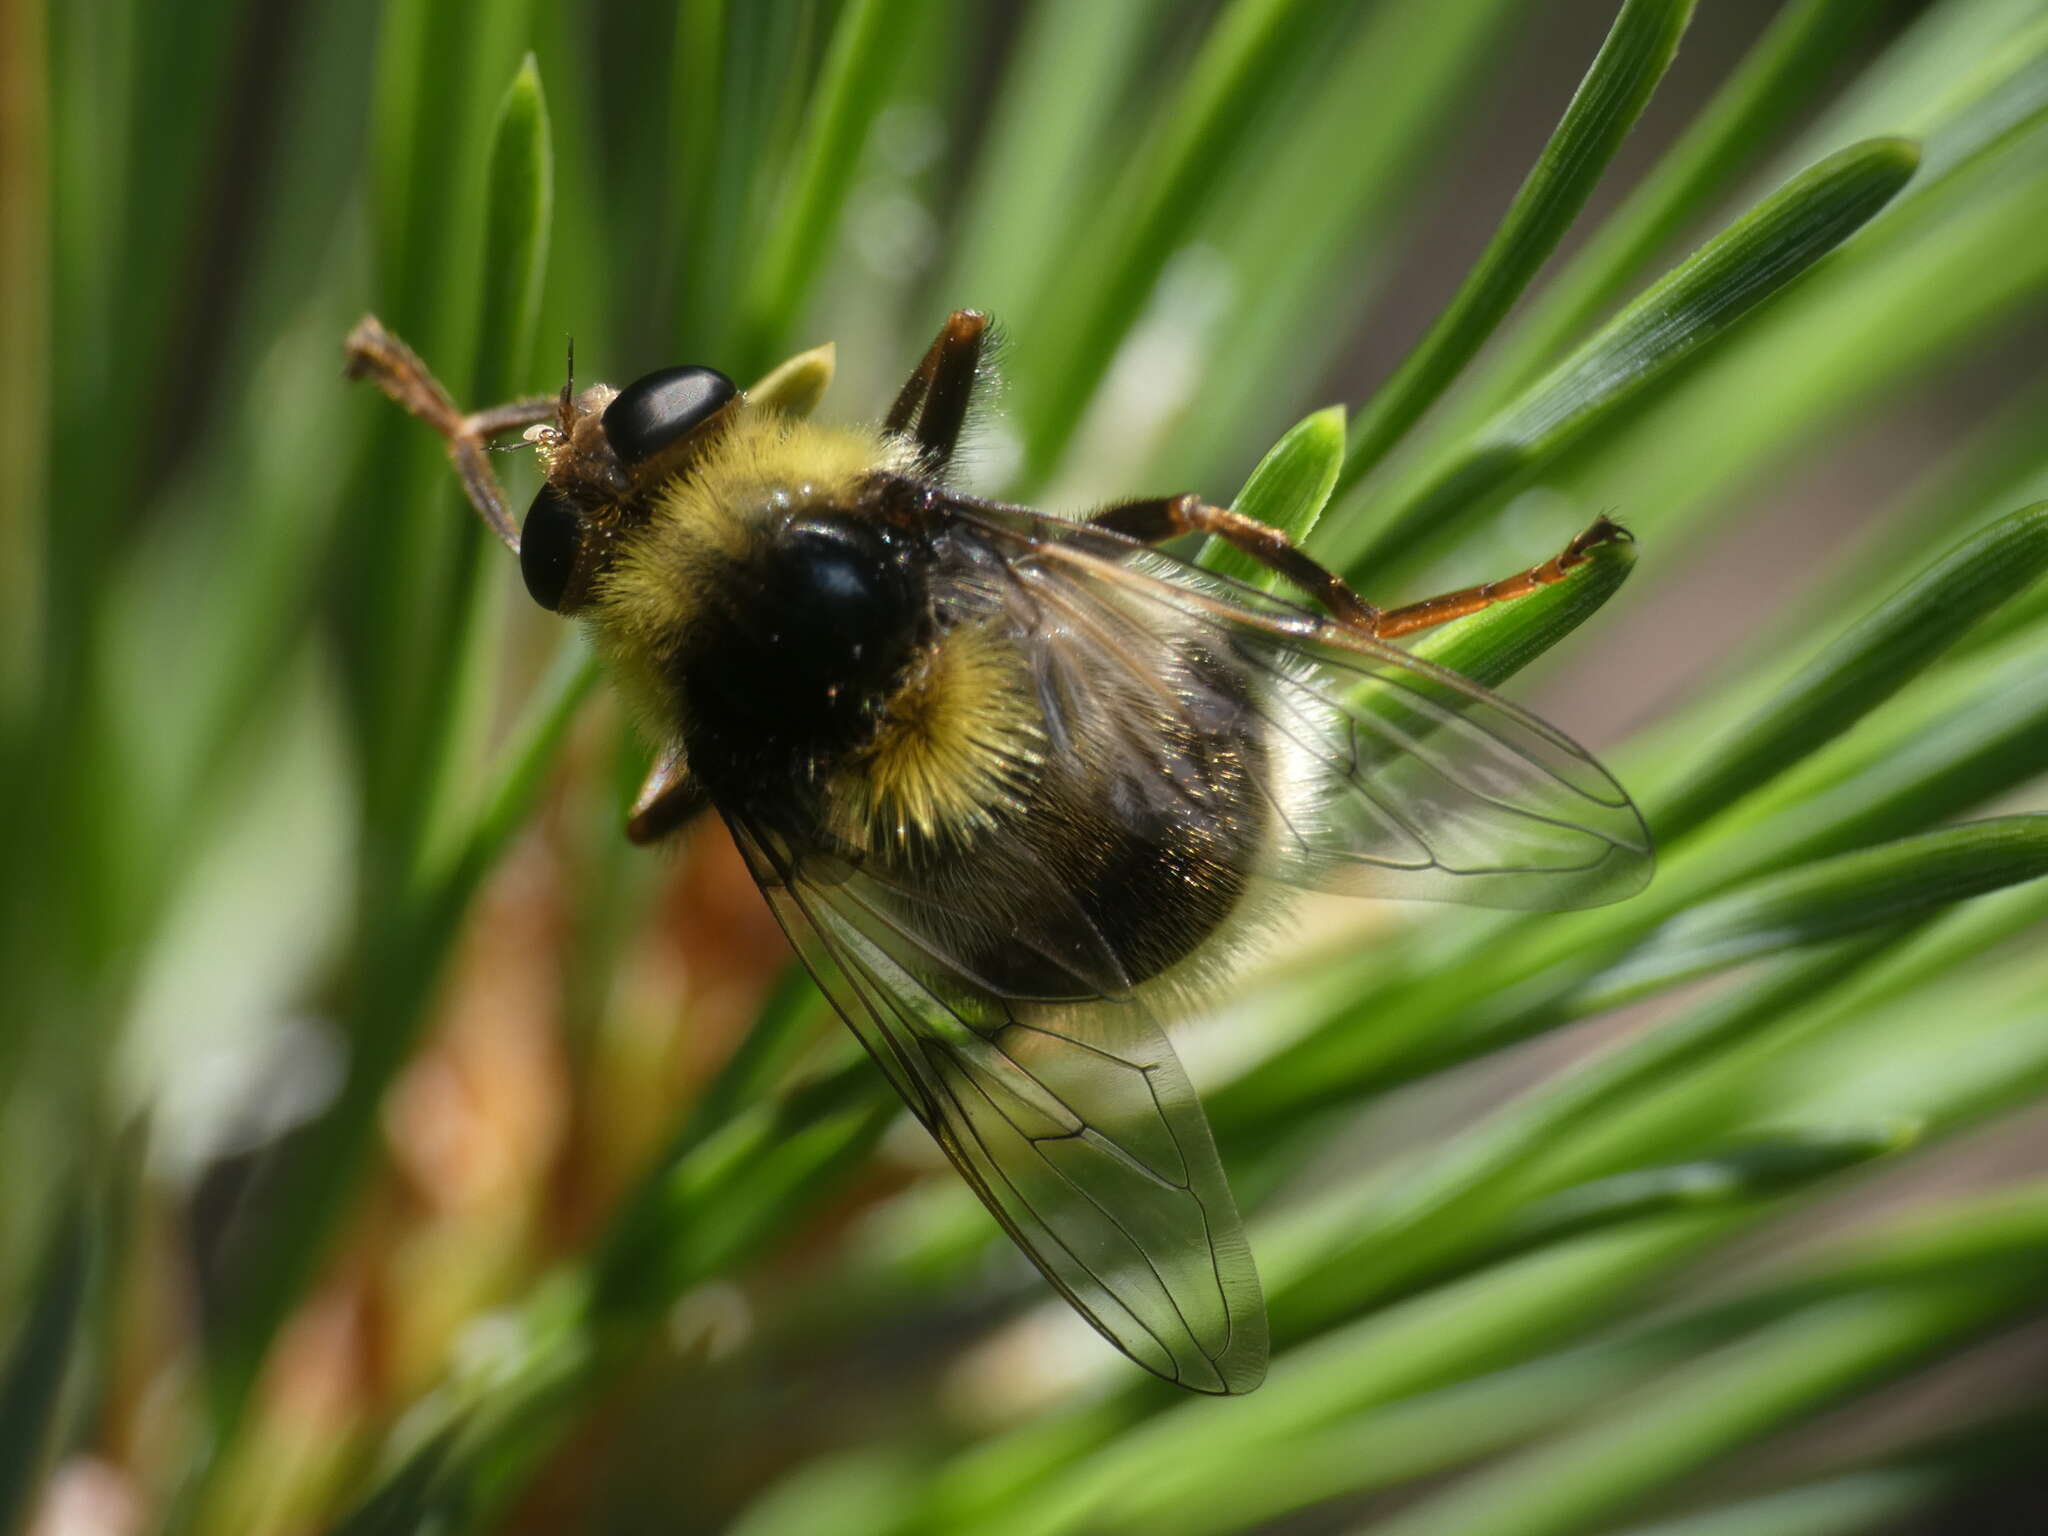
{"points": [[1152, 522], [1432, 611], [668, 798], [1168, 517]]}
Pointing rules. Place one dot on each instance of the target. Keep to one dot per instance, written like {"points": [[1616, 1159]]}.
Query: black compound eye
{"points": [[653, 412], [548, 547]]}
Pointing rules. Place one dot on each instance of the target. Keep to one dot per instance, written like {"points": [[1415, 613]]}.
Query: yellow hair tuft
{"points": [[955, 747]]}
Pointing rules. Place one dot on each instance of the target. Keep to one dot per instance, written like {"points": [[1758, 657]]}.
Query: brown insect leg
{"points": [[940, 391], [1167, 517], [375, 354], [667, 799], [1455, 605], [1151, 522]]}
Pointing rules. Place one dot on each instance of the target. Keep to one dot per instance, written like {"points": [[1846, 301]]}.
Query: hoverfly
{"points": [[1009, 780]]}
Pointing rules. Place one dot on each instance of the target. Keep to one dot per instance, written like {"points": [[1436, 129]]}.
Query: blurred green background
{"points": [[390, 1148]]}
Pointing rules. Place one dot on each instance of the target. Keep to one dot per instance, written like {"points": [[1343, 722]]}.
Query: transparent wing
{"points": [[1392, 777], [1074, 1123]]}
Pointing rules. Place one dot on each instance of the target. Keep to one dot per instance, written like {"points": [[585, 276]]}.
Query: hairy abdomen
{"points": [[1119, 858]]}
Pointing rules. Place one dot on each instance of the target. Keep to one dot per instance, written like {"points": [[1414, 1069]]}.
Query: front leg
{"points": [[375, 354], [938, 394]]}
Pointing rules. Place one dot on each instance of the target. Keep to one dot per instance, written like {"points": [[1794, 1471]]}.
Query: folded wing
{"points": [[1393, 778], [1074, 1123]]}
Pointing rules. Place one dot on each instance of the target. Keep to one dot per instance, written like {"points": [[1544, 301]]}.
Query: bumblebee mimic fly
{"points": [[1012, 782]]}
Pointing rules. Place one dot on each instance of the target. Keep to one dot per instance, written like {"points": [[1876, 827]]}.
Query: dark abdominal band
{"points": [[1153, 855]]}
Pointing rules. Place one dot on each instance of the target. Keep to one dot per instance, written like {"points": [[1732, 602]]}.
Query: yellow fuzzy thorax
{"points": [[763, 462], [954, 750], [958, 740]]}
